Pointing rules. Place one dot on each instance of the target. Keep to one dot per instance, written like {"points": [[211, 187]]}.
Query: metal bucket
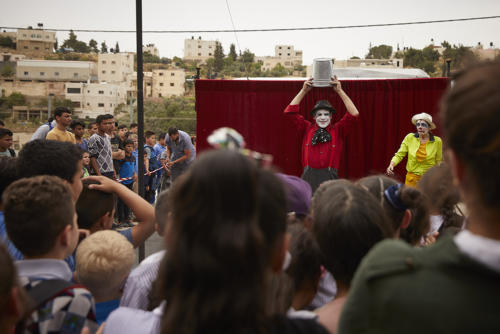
{"points": [[322, 72]]}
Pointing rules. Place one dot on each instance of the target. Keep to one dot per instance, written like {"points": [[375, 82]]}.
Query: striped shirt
{"points": [[139, 282]]}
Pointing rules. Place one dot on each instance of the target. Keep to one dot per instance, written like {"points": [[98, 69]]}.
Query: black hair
{"points": [[90, 125], [162, 135], [49, 157], [133, 125], [123, 126], [148, 134], [5, 132], [226, 224], [348, 222], [61, 110], [102, 118], [74, 123], [128, 142], [93, 204], [172, 131], [8, 173]]}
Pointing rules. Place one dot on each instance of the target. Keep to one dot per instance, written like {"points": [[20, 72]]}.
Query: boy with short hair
{"points": [[78, 129], [101, 155], [41, 222], [96, 207], [92, 128], [104, 260], [8, 174], [6, 143], [151, 181], [62, 116], [128, 174]]}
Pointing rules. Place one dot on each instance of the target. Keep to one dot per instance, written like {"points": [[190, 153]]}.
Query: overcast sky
{"points": [[248, 14]]}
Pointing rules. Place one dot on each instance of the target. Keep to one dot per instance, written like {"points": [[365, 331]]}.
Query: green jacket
{"points": [[400, 289], [410, 145]]}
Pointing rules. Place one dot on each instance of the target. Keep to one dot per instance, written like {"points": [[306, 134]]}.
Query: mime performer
{"points": [[323, 141]]}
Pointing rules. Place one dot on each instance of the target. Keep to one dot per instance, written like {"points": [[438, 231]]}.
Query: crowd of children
{"points": [[249, 250]]}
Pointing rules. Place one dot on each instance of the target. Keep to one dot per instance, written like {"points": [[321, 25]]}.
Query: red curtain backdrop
{"points": [[255, 109]]}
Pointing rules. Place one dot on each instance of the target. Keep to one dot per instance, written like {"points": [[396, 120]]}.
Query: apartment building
{"points": [[147, 82], [114, 67], [168, 83], [286, 55], [198, 49], [93, 99], [151, 48], [35, 41], [56, 70]]}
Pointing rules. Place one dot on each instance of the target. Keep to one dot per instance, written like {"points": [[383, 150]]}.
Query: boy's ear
{"points": [[103, 222], [65, 235], [406, 219]]}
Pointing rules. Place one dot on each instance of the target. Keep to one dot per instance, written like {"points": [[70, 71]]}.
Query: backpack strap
{"points": [[50, 125], [12, 153], [47, 290]]}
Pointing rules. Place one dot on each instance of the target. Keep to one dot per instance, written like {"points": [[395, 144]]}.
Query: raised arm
{"points": [[337, 87], [305, 89], [143, 211]]}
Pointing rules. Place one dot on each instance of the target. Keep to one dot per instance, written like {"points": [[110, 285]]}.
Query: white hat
{"points": [[424, 117]]}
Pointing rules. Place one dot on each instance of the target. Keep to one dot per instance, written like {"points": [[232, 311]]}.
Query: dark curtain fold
{"points": [[255, 109]]}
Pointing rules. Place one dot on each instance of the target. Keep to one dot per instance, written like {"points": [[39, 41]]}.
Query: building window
{"points": [[51, 85], [110, 93], [172, 74], [104, 62], [101, 105], [26, 73], [88, 104], [279, 54], [103, 72], [113, 62], [199, 54], [75, 75], [210, 54], [288, 48], [160, 74], [88, 91], [288, 54], [76, 104], [38, 36], [148, 84], [24, 35], [47, 49], [101, 92], [161, 84], [111, 104], [37, 48], [112, 72], [199, 46], [171, 84], [25, 47], [73, 90], [279, 47], [42, 74]]}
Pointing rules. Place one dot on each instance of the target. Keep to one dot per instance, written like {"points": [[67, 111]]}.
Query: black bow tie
{"points": [[321, 136]]}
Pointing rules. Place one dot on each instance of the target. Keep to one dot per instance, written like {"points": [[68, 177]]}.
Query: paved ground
{"points": [[152, 245]]}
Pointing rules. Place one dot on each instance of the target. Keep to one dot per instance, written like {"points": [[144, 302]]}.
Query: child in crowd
{"points": [[78, 129], [41, 222], [127, 172], [296, 287], [6, 143], [96, 207], [152, 162], [103, 262], [85, 164], [92, 128], [442, 197], [225, 240], [13, 301], [139, 292], [404, 206], [348, 222], [8, 174]]}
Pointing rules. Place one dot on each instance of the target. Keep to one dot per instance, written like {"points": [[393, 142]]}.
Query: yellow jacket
{"points": [[410, 145]]}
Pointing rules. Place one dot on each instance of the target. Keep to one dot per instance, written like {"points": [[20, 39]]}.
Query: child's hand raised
{"points": [[106, 184]]}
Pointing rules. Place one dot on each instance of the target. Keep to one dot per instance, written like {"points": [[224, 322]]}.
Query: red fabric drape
{"points": [[255, 109]]}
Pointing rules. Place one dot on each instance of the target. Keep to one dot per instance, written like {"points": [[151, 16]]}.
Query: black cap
{"points": [[322, 104]]}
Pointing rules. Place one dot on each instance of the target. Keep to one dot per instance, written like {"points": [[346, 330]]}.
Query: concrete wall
{"points": [[55, 70], [114, 67], [168, 83], [30, 88]]}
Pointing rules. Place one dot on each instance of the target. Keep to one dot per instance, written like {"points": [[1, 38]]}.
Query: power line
{"points": [[236, 37], [275, 29]]}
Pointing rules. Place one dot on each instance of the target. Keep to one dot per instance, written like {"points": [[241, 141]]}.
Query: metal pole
{"points": [[140, 107], [131, 109], [49, 106]]}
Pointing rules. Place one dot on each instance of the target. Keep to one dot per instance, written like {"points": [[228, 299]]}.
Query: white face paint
{"points": [[323, 118]]}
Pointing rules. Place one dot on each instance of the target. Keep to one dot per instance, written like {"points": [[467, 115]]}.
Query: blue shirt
{"points": [[84, 145], [103, 309], [127, 168], [14, 252], [127, 234]]}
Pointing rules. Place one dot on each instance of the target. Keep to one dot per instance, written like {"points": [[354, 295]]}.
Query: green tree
{"points": [[16, 99], [104, 47], [279, 71], [232, 52], [354, 57], [460, 56], [380, 52], [75, 44], [248, 57], [218, 58], [93, 46], [7, 71], [147, 57], [7, 42], [117, 48]]}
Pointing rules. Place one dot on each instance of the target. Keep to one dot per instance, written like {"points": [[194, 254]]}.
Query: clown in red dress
{"points": [[322, 142]]}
